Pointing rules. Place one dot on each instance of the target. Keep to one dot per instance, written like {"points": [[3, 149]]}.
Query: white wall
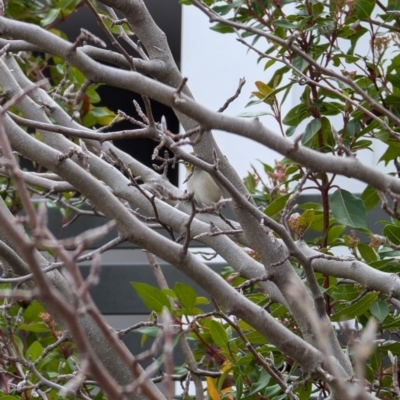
{"points": [[214, 63]]}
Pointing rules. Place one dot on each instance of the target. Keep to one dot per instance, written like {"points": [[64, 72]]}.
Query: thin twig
{"points": [[242, 81]]}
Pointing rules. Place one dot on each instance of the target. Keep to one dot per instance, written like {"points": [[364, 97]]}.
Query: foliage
{"points": [[349, 101], [34, 347], [336, 114]]}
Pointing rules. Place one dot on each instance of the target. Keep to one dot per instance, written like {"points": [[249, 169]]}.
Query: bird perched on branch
{"points": [[201, 184]]}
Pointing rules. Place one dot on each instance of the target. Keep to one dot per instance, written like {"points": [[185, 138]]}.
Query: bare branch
{"points": [[242, 82]]}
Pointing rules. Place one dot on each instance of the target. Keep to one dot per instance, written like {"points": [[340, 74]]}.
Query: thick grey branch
{"points": [[349, 167]]}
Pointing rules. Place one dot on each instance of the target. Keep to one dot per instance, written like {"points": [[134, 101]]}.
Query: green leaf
{"points": [[245, 360], [304, 391], [305, 220], [362, 144], [317, 8], [153, 298], [367, 253], [278, 311], [239, 387], [300, 63], [222, 379], [356, 309], [186, 295], [94, 97], [31, 314], [290, 131], [391, 323], [388, 253], [365, 231], [332, 108], [376, 359], [370, 197], [364, 8], [277, 77], [379, 264], [222, 28], [371, 126], [311, 129], [345, 32], [170, 293], [392, 232], [202, 300], [316, 206], [394, 79], [394, 65], [261, 383], [151, 331], [99, 112], [352, 128], [268, 64], [265, 98], [223, 10], [318, 223], [264, 89], [392, 100], [219, 335], [277, 205], [51, 17], [255, 337], [347, 209], [272, 390], [391, 153], [344, 292], [250, 183], [296, 115], [334, 233], [34, 351], [143, 340], [48, 359], [393, 347], [19, 343], [68, 4], [380, 310], [284, 23]]}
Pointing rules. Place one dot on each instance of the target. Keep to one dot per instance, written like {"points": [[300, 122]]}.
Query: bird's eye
{"points": [[187, 164]]}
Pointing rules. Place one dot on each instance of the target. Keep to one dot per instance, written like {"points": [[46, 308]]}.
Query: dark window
{"points": [[119, 99]]}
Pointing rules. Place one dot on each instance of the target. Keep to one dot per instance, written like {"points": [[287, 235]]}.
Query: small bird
{"points": [[201, 184]]}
